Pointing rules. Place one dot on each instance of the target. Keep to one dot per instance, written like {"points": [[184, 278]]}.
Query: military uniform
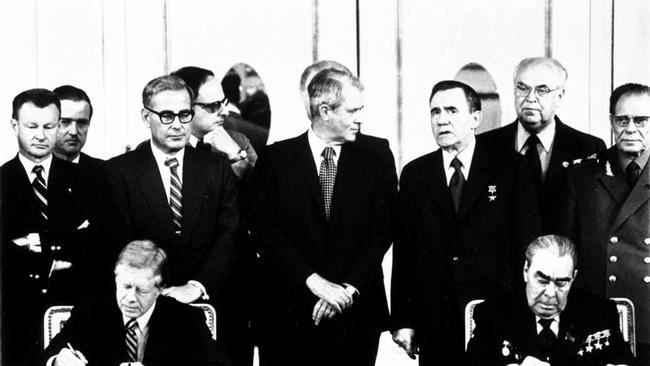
{"points": [[610, 223]]}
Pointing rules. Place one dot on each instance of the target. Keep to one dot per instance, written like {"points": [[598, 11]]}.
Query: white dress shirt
{"points": [[142, 331], [165, 172], [465, 158], [555, 325], [317, 146], [29, 165]]}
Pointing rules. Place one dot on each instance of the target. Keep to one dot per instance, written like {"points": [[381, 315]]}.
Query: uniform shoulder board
{"points": [[589, 159]]}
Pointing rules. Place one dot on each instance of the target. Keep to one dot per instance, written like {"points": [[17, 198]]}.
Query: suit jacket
{"points": [[178, 335], [27, 284], [569, 144], [296, 240], [138, 208], [255, 133], [506, 332], [442, 260], [611, 226]]}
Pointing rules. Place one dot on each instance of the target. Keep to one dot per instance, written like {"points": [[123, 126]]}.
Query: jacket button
{"points": [[455, 259], [44, 290], [612, 278], [646, 279], [646, 260], [37, 277], [646, 241], [52, 248], [613, 259], [613, 240]]}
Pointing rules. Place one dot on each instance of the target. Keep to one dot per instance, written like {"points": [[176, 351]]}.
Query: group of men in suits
{"points": [[321, 210]]}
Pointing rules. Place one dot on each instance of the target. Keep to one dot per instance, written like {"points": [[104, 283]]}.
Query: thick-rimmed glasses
{"points": [[214, 106], [523, 90], [167, 117], [624, 121]]}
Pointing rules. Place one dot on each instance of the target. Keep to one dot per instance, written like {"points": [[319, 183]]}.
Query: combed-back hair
{"points": [[626, 89], [194, 77], [326, 88], [39, 97], [317, 67], [546, 61], [473, 99], [161, 84], [558, 243], [69, 92], [145, 254]]}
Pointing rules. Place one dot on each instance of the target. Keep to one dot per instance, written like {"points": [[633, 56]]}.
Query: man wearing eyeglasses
{"points": [[181, 198], [548, 144], [551, 324], [608, 210]]}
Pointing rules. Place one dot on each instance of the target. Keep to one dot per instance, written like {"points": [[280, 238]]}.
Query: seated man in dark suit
{"points": [[141, 326], [551, 325]]}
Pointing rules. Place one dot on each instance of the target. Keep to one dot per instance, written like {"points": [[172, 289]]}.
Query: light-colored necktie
{"points": [[175, 196]]}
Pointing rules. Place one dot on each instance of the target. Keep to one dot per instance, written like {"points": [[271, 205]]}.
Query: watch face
{"points": [[242, 154]]}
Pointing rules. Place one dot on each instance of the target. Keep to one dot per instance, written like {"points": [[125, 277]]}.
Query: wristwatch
{"points": [[241, 155]]}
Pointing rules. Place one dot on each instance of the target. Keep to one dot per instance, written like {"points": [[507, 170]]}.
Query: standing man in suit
{"points": [[321, 220], [552, 324], [141, 327], [466, 215], [539, 87], [76, 114], [181, 198], [40, 214], [608, 211]]}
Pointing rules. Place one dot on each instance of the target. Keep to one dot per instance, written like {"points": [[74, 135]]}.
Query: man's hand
{"points": [[185, 294], [322, 310], [219, 139], [67, 357], [405, 338], [332, 293], [532, 361]]}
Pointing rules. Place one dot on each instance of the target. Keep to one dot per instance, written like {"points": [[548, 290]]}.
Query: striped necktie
{"points": [[327, 177], [175, 196], [40, 190], [132, 340]]}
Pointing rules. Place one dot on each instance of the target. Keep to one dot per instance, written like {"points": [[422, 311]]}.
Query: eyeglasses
{"points": [[523, 90], [214, 106], [624, 121], [167, 117]]}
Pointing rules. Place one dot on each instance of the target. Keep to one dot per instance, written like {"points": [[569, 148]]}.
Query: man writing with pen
{"points": [[135, 325]]}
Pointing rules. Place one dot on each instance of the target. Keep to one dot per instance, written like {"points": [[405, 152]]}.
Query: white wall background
{"points": [[111, 48]]}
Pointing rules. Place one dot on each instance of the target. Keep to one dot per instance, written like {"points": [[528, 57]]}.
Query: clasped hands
{"points": [[333, 298]]}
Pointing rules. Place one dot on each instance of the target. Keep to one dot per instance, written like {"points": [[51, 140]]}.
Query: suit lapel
{"points": [[524, 329], [151, 186], [476, 180], [562, 149], [638, 197], [613, 179], [304, 161], [193, 187], [346, 177], [436, 181]]}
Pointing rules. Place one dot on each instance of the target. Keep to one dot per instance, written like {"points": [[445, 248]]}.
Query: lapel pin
{"points": [[565, 164], [608, 170], [505, 351], [492, 192]]}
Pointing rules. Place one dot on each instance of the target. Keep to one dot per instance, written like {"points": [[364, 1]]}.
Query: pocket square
{"points": [[83, 225]]}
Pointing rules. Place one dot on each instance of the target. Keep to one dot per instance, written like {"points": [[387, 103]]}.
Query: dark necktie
{"points": [[456, 183], [175, 197], [546, 338], [532, 156], [40, 190], [132, 340], [327, 177], [202, 146], [632, 172]]}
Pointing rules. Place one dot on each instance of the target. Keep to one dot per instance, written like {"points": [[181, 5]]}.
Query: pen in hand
{"points": [[77, 354]]}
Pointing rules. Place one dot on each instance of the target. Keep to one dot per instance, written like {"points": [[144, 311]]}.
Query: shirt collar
{"points": [[143, 320], [624, 159], [29, 165], [317, 146], [464, 156], [555, 325], [545, 136], [193, 140], [161, 156]]}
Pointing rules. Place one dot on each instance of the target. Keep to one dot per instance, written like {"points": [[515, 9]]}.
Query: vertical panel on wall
{"points": [[582, 43], [379, 68], [18, 42], [631, 42], [337, 38], [275, 38], [440, 37], [70, 52]]}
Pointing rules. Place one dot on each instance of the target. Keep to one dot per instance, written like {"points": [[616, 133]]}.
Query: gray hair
{"points": [[326, 88], [557, 243], [545, 61], [144, 254], [161, 84]]}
